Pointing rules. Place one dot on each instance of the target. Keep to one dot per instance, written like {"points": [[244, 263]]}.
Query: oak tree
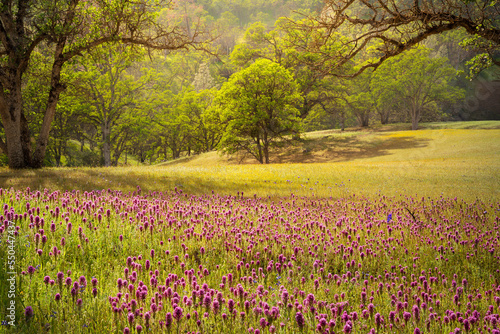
{"points": [[416, 83], [291, 49], [66, 29], [109, 90], [258, 106]]}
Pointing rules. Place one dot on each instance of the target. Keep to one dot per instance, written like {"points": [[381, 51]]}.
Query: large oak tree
{"points": [[65, 29], [258, 106]]}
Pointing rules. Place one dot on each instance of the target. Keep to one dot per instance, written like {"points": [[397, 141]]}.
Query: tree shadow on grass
{"points": [[89, 179], [325, 149], [84, 179], [342, 149]]}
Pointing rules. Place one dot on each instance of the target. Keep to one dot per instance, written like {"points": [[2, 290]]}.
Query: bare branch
{"points": [[403, 25]]}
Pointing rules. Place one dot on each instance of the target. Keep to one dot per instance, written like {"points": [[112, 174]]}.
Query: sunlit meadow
{"points": [[430, 162]]}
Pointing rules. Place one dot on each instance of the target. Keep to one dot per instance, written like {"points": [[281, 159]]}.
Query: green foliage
{"points": [[174, 71], [360, 99], [78, 156], [36, 89], [416, 83], [4, 160], [147, 103], [205, 131], [484, 57], [65, 31], [291, 49], [175, 128], [109, 89], [66, 119], [258, 106]]}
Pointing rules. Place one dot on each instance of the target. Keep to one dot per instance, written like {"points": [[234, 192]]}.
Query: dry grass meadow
{"points": [[450, 159]]}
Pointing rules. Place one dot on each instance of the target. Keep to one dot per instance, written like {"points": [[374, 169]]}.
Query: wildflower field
{"points": [[168, 262]]}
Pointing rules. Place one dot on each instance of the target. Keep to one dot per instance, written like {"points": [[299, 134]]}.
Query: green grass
{"points": [[462, 160]]}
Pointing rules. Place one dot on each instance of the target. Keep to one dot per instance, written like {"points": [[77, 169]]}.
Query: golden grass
{"points": [[457, 162]]}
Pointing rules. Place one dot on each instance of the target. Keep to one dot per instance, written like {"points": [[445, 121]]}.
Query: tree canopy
{"points": [[258, 106], [416, 83]]}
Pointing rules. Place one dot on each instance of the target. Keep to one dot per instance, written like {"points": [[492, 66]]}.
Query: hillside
{"points": [[450, 159], [392, 142]]}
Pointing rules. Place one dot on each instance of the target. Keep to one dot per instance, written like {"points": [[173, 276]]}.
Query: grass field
{"points": [[451, 159]]}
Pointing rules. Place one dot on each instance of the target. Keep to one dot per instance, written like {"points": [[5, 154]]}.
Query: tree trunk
{"points": [[414, 124], [362, 116], [266, 153], [119, 148], [26, 142], [415, 118], [15, 125], [57, 156], [364, 119], [14, 145], [174, 150], [106, 146], [384, 117], [266, 148], [55, 91], [43, 137], [259, 151], [59, 149]]}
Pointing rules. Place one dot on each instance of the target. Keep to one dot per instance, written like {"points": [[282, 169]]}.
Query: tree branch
{"points": [[402, 25], [3, 146]]}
